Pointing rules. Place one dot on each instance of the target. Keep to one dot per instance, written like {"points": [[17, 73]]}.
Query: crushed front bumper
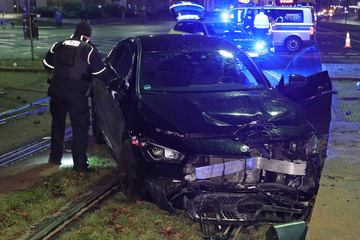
{"points": [[244, 208]]}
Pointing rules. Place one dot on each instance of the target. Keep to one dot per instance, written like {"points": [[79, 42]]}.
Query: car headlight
{"points": [[260, 45], [312, 145], [156, 152]]}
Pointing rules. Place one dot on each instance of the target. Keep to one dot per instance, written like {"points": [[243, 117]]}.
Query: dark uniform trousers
{"points": [[76, 104]]}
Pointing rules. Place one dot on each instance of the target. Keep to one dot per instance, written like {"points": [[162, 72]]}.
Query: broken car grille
{"points": [[243, 207]]}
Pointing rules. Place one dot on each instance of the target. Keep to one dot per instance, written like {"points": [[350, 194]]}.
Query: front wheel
{"points": [[130, 180], [293, 44]]}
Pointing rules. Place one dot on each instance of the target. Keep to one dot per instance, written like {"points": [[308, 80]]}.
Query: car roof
{"points": [[267, 7], [183, 43]]}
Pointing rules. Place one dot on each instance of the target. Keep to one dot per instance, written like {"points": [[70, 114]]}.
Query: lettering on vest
{"points": [[71, 43]]}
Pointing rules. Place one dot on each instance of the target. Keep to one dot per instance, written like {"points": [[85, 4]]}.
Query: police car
{"points": [[290, 27], [256, 49]]}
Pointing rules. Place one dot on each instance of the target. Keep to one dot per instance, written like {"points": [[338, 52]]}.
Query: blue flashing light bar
{"points": [[184, 5]]}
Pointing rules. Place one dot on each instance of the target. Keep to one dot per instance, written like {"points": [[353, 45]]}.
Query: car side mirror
{"points": [[296, 79]]}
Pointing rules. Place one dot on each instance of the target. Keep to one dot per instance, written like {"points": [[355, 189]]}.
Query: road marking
{"points": [[338, 56], [352, 54], [335, 53], [345, 37]]}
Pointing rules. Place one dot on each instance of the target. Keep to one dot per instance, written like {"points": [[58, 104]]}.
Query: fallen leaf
{"points": [[24, 215]]}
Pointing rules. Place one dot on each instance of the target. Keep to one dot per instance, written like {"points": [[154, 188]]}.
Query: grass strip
{"points": [[349, 96], [22, 63]]}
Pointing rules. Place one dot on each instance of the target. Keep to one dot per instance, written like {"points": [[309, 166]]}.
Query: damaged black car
{"points": [[194, 124]]}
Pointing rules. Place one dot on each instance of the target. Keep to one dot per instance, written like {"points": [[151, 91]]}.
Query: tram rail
{"points": [[30, 149], [73, 214], [4, 119]]}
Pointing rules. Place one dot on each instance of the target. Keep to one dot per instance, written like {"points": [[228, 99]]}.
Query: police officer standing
{"points": [[74, 62], [261, 25], [249, 21]]}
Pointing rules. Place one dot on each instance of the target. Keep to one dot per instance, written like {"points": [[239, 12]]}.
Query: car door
{"points": [[305, 83], [113, 104], [226, 31]]}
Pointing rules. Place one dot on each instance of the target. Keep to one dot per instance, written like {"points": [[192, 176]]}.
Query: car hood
{"points": [[213, 112]]}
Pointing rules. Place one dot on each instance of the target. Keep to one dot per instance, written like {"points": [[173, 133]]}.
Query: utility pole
{"points": [[30, 26]]}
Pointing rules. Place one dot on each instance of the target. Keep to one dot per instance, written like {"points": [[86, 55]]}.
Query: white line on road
{"points": [[345, 37]]}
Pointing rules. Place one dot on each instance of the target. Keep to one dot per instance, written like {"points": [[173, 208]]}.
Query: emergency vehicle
{"points": [[290, 27]]}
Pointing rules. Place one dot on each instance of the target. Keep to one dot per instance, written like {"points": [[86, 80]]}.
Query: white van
{"points": [[291, 27]]}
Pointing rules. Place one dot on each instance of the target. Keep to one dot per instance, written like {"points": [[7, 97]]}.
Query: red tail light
{"points": [[312, 30]]}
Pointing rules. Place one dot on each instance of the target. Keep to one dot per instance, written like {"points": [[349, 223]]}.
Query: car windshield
{"points": [[198, 71]]}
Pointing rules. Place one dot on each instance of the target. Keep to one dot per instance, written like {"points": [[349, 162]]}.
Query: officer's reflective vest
{"points": [[261, 21], [72, 72]]}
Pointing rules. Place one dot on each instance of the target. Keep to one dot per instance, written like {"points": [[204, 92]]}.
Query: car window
{"points": [[200, 29], [286, 16], [114, 58], [217, 28], [197, 71], [188, 27], [237, 15], [125, 62], [179, 27]]}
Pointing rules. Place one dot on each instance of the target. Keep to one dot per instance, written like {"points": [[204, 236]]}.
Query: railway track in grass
{"points": [[51, 227]]}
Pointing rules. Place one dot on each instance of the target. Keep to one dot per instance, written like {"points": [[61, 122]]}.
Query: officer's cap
{"points": [[84, 29]]}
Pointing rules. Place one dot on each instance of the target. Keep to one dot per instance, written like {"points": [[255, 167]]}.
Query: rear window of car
{"points": [[188, 27], [204, 71]]}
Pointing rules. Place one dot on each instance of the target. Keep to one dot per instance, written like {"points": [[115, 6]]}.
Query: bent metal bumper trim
{"points": [[297, 167], [243, 207]]}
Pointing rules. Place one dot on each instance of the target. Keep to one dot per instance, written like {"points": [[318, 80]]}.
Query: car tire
{"points": [[130, 180], [293, 44], [97, 135]]}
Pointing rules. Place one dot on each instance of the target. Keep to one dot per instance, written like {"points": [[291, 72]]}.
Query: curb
{"points": [[345, 79]]}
